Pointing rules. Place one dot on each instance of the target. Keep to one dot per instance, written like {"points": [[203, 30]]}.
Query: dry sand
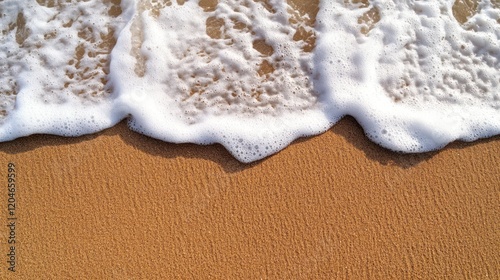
{"points": [[119, 205], [336, 206]]}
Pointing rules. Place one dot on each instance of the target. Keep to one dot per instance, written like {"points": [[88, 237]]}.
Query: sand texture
{"points": [[119, 205]]}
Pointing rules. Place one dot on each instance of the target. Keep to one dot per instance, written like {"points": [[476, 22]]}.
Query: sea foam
{"points": [[53, 67], [418, 79], [250, 75]]}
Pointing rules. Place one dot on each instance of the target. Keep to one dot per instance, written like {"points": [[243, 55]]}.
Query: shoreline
{"points": [[347, 128]]}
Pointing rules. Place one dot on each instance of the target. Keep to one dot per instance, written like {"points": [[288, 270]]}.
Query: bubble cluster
{"points": [[422, 76], [54, 60], [238, 64]]}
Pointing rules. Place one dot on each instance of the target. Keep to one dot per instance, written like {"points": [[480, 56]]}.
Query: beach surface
{"points": [[119, 205]]}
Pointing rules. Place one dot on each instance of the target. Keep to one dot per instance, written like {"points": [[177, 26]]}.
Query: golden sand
{"points": [[336, 206]]}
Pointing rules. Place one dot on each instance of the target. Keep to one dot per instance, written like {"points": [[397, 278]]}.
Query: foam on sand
{"points": [[418, 79], [53, 63], [184, 83], [246, 73]]}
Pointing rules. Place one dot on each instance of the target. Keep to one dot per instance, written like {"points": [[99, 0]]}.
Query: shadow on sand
{"points": [[347, 128]]}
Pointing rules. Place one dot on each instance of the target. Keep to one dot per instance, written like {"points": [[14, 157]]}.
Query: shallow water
{"points": [[252, 75]]}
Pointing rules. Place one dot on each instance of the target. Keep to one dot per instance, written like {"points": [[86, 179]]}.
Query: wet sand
{"points": [[119, 205]]}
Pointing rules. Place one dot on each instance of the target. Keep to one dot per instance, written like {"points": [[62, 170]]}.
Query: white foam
{"points": [[182, 85], [414, 78], [418, 80], [53, 68]]}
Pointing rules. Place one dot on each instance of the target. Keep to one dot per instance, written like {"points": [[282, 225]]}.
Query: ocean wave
{"points": [[252, 75]]}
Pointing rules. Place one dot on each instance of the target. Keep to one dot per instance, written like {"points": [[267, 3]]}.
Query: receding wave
{"points": [[252, 75]]}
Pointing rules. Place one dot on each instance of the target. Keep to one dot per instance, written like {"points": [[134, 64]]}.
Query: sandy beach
{"points": [[119, 205]]}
